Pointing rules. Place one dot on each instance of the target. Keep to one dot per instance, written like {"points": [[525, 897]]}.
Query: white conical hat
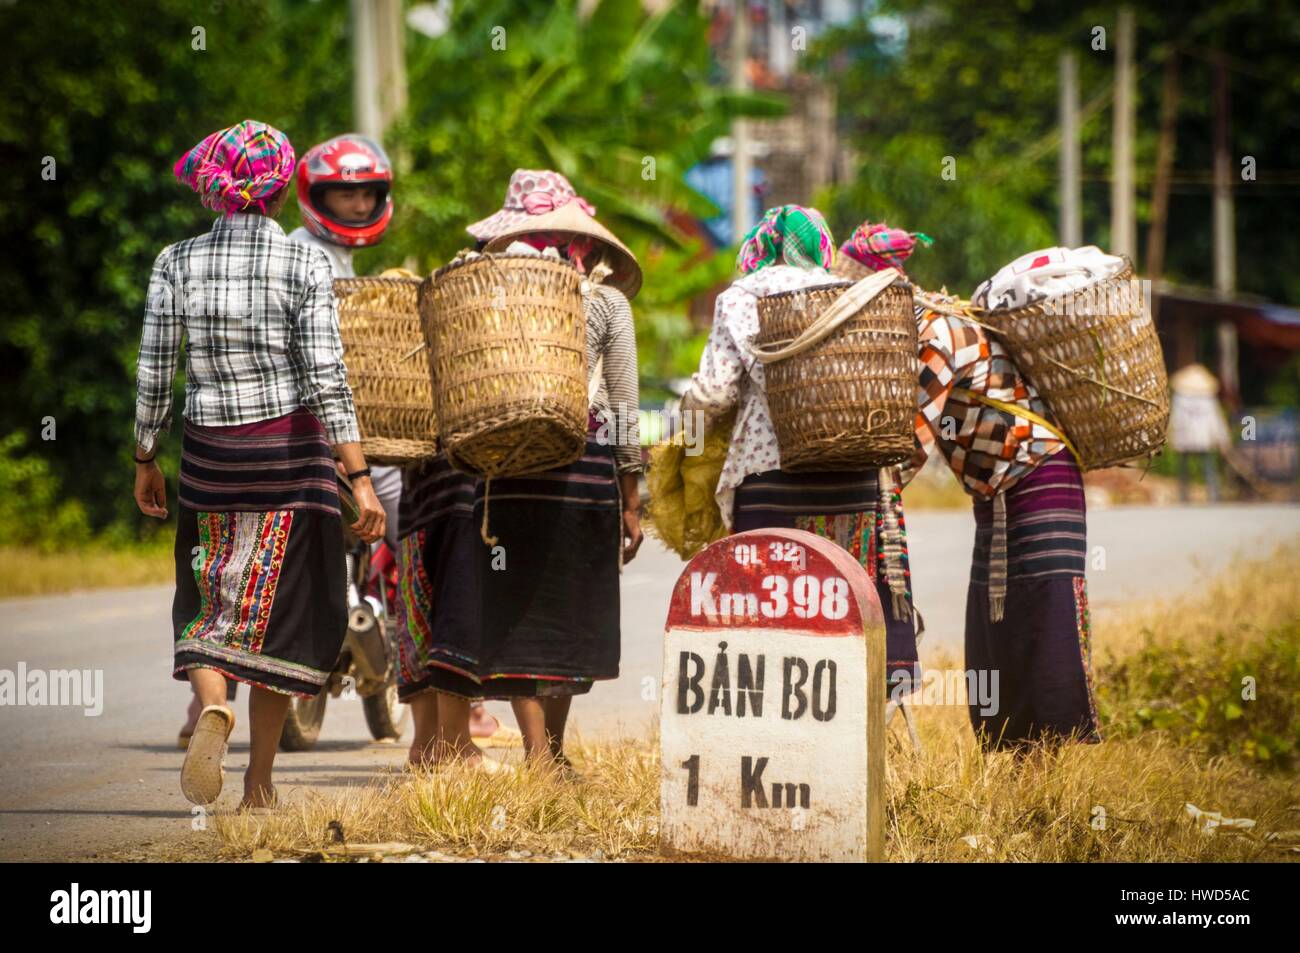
{"points": [[1194, 380]]}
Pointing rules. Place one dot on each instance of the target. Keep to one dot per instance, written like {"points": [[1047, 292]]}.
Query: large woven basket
{"points": [[849, 402], [846, 266], [1096, 360], [379, 322], [508, 355]]}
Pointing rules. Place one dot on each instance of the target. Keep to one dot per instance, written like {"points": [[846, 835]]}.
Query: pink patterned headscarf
{"points": [[880, 247], [238, 168]]}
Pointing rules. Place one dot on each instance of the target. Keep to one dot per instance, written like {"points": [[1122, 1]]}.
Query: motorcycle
{"points": [[367, 663]]}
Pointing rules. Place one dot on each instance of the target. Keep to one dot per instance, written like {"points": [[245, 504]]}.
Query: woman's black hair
{"points": [[480, 244]]}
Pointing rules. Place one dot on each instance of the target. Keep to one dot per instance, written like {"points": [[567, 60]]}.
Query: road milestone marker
{"points": [[772, 713]]}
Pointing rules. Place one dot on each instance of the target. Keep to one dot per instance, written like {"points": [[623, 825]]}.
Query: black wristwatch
{"points": [[146, 460], [364, 472]]}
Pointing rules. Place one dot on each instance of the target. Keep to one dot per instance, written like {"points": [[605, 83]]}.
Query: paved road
{"points": [[72, 786]]}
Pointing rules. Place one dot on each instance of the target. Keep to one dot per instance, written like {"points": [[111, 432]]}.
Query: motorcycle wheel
{"points": [[302, 723], [386, 717]]}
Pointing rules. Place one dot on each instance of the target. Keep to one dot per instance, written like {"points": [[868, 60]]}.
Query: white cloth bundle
{"points": [[1046, 274]]}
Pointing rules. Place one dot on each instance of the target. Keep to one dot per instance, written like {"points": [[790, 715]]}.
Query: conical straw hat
{"points": [[571, 219], [1194, 380]]}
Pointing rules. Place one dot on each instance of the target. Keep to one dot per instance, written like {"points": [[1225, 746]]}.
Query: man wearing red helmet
{"points": [[345, 196], [344, 193]]}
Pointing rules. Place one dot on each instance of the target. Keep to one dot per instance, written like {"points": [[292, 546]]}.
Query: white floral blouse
{"points": [[729, 375]]}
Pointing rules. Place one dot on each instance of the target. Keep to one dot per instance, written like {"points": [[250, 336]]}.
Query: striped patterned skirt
{"points": [[1027, 616], [534, 614], [551, 583], [849, 509], [439, 557], [260, 569]]}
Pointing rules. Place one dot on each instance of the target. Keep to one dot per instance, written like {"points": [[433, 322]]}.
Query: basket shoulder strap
{"points": [[589, 288], [1017, 410], [593, 384], [846, 306]]}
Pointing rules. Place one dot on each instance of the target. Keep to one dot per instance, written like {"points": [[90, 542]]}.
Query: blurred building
{"points": [[792, 156], [1267, 334]]}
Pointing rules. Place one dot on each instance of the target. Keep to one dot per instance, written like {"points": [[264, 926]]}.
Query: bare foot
{"points": [[564, 766], [419, 758], [432, 756], [258, 795], [192, 715], [469, 756], [482, 723]]}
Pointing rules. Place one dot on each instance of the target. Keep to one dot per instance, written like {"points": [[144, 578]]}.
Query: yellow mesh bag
{"points": [[683, 512]]}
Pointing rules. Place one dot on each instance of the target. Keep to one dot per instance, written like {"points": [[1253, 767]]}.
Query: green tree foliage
{"points": [[978, 82], [115, 92], [620, 102]]}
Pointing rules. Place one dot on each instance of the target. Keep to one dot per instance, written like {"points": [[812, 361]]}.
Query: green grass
{"points": [[26, 571]]}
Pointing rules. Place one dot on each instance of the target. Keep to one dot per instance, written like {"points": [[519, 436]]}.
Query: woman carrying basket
{"points": [[536, 613], [260, 593], [791, 249], [1027, 613]]}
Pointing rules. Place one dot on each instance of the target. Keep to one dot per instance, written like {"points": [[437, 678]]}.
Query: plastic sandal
{"points": [[202, 772]]}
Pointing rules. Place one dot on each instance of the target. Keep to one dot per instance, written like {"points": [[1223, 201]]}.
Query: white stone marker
{"points": [[772, 711]]}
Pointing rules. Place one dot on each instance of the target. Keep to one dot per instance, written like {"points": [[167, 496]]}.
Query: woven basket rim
{"points": [[1126, 273], [902, 285], [362, 280], [542, 259]]}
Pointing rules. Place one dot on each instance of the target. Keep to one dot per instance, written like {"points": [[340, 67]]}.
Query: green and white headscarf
{"points": [[788, 234]]}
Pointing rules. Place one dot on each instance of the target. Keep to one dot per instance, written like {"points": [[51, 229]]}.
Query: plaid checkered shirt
{"points": [[261, 327], [987, 448]]}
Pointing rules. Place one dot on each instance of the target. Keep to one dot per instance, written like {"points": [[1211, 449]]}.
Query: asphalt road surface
{"points": [[76, 786]]}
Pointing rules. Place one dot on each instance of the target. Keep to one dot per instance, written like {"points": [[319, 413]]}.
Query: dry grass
{"points": [[1117, 801], [28, 572], [610, 813], [1120, 800]]}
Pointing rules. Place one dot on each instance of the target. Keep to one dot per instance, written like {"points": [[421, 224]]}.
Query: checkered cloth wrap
{"points": [[261, 327], [878, 246], [238, 168], [988, 449], [788, 234]]}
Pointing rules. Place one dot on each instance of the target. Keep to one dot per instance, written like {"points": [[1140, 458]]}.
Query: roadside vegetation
{"points": [[1200, 705]]}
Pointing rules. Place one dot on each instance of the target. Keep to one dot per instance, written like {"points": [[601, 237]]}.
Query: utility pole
{"points": [[740, 177], [392, 60], [365, 69], [1123, 225], [1071, 228], [1225, 251], [379, 65], [1156, 236]]}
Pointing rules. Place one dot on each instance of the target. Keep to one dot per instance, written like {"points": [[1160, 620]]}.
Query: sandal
{"points": [[484, 764], [503, 737], [201, 774], [492, 766]]}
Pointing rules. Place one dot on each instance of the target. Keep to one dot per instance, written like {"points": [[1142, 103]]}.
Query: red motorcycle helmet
{"points": [[345, 161]]}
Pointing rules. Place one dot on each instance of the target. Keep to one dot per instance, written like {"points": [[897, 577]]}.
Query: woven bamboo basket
{"points": [[848, 402], [846, 266], [379, 322], [1095, 359], [508, 356]]}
